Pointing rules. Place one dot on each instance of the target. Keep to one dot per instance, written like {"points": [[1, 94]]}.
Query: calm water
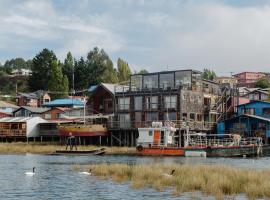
{"points": [[56, 179]]}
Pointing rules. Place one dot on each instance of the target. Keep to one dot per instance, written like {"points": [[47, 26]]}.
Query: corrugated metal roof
{"points": [[64, 102], [4, 104], [34, 109], [15, 119]]}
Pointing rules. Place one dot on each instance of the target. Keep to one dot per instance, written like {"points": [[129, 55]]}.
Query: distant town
{"points": [[38, 96]]}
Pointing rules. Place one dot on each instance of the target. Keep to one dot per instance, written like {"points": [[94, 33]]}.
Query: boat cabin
{"points": [[157, 135]]}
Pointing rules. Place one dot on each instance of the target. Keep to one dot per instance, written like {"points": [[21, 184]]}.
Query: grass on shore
{"points": [[44, 148], [214, 180]]}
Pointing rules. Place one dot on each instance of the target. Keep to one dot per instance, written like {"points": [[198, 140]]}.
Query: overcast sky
{"points": [[226, 36]]}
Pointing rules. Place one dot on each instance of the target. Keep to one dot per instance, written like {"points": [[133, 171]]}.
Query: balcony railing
{"points": [[145, 124]]}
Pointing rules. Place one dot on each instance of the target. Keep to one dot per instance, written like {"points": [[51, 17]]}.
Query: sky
{"points": [[227, 36]]}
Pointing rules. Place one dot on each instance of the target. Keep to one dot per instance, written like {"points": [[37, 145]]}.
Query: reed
{"points": [[213, 180], [44, 148]]}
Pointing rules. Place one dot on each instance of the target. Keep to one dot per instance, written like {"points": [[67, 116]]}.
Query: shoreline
{"points": [[46, 148]]}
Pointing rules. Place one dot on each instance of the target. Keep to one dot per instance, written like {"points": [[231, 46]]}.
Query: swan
{"points": [[169, 175], [86, 173], [31, 173]]}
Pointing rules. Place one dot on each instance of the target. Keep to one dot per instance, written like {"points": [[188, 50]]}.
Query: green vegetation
{"points": [[42, 70], [124, 71], [208, 74], [58, 82], [214, 180], [97, 67], [263, 83]]}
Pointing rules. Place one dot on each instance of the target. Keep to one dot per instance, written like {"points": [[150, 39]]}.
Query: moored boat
{"points": [[160, 140], [82, 130]]}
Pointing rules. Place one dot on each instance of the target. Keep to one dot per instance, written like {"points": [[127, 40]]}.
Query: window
{"points": [[138, 103], [170, 101], [166, 81], [124, 120], [266, 111], [192, 116], [150, 81], [150, 133], [136, 81], [151, 102], [48, 116], [248, 111], [171, 115], [150, 117], [123, 103], [183, 77], [138, 116]]}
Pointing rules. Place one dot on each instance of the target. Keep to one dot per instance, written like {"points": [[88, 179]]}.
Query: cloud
{"points": [[222, 35]]}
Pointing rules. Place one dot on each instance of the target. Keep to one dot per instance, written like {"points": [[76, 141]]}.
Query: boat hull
{"points": [[232, 151], [161, 151], [82, 130]]}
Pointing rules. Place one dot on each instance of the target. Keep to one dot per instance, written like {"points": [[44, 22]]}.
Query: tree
{"points": [[41, 70], [68, 68], [262, 83], [208, 74], [124, 71], [100, 67], [143, 71], [81, 72], [58, 83]]}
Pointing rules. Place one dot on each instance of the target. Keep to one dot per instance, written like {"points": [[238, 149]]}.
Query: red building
{"points": [[247, 79], [35, 99], [101, 99]]}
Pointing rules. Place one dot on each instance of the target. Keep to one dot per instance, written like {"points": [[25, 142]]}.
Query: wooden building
{"points": [[101, 99], [34, 99], [20, 127]]}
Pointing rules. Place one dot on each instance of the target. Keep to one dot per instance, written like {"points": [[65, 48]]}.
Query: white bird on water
{"points": [[169, 175], [30, 173], [86, 173]]}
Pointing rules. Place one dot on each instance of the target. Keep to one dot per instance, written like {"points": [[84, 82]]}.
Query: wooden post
{"points": [[120, 138], [111, 139], [99, 140]]}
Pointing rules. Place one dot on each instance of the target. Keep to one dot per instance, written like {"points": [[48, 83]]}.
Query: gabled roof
{"points": [[107, 86], [64, 102], [4, 104], [37, 110]]}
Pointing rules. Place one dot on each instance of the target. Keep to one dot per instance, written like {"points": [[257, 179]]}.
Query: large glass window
{"points": [[136, 81], [124, 120], [138, 103], [150, 81], [183, 77], [151, 116], [166, 80], [151, 102], [123, 103], [172, 116], [170, 101]]}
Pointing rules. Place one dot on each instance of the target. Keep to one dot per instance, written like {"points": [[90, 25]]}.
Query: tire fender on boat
{"points": [[139, 148]]}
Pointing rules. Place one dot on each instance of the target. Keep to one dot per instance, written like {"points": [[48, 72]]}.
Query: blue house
{"points": [[252, 120]]}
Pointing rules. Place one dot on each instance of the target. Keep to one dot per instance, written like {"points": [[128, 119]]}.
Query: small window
{"points": [[192, 116], [150, 133], [266, 111]]}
